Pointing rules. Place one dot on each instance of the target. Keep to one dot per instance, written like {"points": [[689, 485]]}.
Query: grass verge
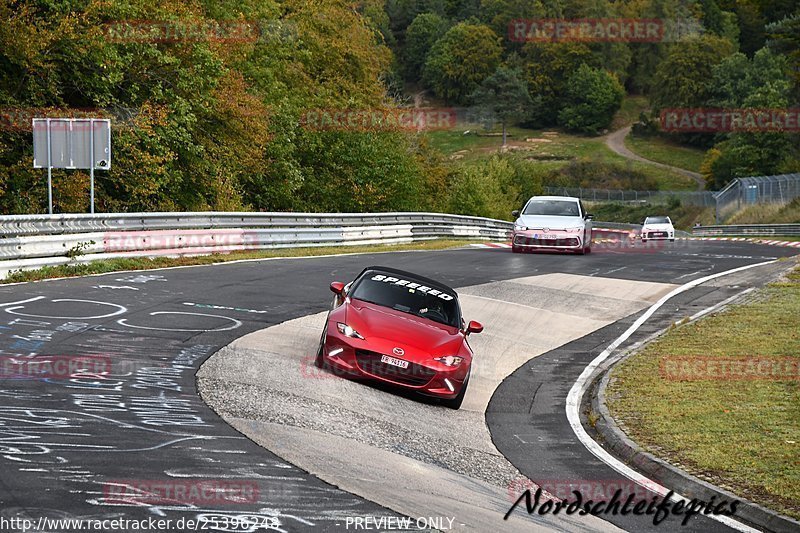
{"points": [[549, 150], [146, 263], [632, 107], [664, 151], [740, 434], [768, 214]]}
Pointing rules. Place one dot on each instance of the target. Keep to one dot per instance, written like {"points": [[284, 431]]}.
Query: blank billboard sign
{"points": [[71, 143]]}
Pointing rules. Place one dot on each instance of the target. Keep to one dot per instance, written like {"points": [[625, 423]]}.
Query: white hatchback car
{"points": [[658, 227], [552, 222]]}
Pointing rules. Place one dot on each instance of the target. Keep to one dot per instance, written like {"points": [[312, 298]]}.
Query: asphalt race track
{"points": [[77, 446]]}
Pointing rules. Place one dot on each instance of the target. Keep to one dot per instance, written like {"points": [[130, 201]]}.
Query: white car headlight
{"points": [[574, 230], [346, 330], [519, 227], [449, 360]]}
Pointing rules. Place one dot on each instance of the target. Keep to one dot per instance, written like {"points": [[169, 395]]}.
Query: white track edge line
{"points": [[576, 394]]}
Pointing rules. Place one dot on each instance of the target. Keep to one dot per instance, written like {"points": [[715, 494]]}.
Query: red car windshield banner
{"points": [[413, 286]]}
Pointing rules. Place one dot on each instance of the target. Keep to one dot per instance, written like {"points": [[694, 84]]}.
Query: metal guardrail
{"points": [[20, 225], [778, 230], [33, 241]]}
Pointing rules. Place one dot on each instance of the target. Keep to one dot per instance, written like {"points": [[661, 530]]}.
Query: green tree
{"points": [[499, 13], [546, 68], [738, 79], [751, 24], [421, 35], [761, 82], [487, 189], [403, 12], [503, 95], [593, 96], [784, 38], [646, 57], [683, 79], [203, 123], [459, 61]]}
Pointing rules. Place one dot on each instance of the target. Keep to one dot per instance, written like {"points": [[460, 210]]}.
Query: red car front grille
{"points": [[415, 375]]}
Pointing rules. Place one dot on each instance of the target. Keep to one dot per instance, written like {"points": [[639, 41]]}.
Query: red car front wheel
{"points": [[319, 362]]}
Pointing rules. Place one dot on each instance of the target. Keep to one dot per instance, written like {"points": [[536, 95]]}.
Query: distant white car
{"points": [[552, 222], [658, 227]]}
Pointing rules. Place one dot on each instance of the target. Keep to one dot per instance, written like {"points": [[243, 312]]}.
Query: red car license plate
{"points": [[393, 361]]}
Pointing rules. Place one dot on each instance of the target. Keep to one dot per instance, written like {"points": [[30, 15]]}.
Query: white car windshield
{"points": [[657, 220], [562, 208]]}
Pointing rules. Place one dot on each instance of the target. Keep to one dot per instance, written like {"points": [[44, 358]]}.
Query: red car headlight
{"points": [[449, 360], [347, 331]]}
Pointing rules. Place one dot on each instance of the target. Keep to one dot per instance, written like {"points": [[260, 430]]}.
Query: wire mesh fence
{"points": [[738, 194], [744, 192], [699, 198]]}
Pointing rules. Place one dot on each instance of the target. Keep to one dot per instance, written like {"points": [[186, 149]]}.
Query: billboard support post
{"points": [[49, 171], [91, 166]]}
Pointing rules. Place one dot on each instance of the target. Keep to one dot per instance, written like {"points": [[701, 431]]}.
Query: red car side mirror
{"points": [[337, 287], [474, 327]]}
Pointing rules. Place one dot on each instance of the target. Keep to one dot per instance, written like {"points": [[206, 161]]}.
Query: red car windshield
{"points": [[408, 296]]}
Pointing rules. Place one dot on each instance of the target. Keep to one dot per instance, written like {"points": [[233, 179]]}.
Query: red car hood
{"points": [[385, 328]]}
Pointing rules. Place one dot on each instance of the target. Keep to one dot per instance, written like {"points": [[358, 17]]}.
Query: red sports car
{"points": [[397, 327]]}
